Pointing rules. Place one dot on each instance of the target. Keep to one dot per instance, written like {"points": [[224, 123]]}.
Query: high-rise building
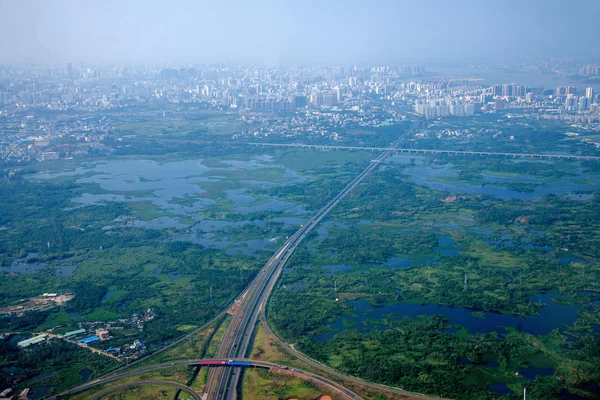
{"points": [[328, 99], [316, 99], [70, 70], [570, 103], [565, 90], [589, 93], [496, 90]]}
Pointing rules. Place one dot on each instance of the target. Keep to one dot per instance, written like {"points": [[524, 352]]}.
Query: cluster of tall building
{"points": [[581, 103], [590, 70], [565, 90], [325, 98], [509, 90], [434, 108], [259, 104], [413, 69], [404, 70]]}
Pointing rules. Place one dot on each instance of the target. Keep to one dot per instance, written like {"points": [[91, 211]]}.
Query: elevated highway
{"points": [[223, 384], [431, 151]]}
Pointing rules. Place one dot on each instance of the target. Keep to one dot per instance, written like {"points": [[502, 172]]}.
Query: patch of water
{"points": [[491, 363], [287, 221], [337, 268], [421, 176], [65, 270], [39, 377], [272, 205], [85, 375], [569, 260], [40, 392], [24, 266], [165, 184], [405, 160], [239, 196], [324, 227], [551, 316], [107, 296], [500, 388], [531, 372]]}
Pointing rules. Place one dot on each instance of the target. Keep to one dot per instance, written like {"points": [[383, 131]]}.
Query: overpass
{"points": [[218, 363], [431, 151]]}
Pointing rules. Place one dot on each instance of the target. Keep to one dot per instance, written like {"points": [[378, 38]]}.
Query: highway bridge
{"points": [[213, 363], [236, 343], [432, 151]]}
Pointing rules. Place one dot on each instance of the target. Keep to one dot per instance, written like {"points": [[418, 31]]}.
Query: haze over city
{"points": [[299, 200], [271, 31]]}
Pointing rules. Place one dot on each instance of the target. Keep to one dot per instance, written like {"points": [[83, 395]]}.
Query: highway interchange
{"points": [[256, 364]]}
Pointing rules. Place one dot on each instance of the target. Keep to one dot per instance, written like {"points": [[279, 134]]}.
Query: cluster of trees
{"points": [[64, 360]]}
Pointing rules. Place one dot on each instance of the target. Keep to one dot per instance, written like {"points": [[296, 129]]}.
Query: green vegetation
{"points": [[468, 251], [62, 362], [121, 271]]}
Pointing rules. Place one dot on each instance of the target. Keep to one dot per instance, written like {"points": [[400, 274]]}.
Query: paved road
{"points": [[258, 364], [432, 151], [236, 343], [186, 389]]}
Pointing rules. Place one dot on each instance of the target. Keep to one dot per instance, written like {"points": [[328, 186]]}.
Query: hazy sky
{"points": [[338, 31]]}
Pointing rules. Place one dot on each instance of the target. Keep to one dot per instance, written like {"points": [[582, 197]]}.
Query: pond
{"points": [[40, 392], [569, 260], [239, 196], [324, 228], [107, 296], [422, 176], [337, 268], [551, 315], [500, 388], [25, 265], [531, 372], [65, 270], [85, 375], [183, 189], [39, 377]]}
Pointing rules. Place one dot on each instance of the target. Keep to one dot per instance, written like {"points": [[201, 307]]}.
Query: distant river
{"points": [[491, 76]]}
